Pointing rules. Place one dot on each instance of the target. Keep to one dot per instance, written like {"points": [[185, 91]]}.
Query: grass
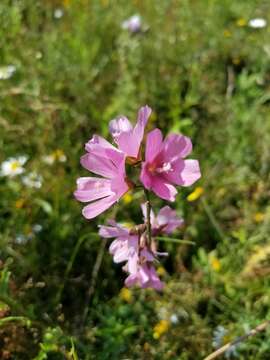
{"points": [[205, 72]]}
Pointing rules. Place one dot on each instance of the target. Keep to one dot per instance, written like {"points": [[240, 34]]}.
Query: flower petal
{"points": [[99, 165], [190, 173], [96, 208], [163, 189], [153, 144], [176, 145], [90, 189], [119, 125]]}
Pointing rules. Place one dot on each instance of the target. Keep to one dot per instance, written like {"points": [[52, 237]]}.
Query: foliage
{"points": [[205, 72]]}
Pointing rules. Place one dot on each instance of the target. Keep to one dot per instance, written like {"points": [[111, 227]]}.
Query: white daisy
{"points": [[13, 166], [257, 23], [58, 13], [32, 180], [133, 24], [7, 71]]}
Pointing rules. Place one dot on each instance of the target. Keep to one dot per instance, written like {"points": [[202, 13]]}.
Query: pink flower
{"points": [[124, 247], [132, 249], [145, 277], [166, 220], [105, 160], [164, 164], [128, 138]]}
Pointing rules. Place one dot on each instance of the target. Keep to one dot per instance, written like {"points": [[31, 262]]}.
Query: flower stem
{"points": [[148, 218]]}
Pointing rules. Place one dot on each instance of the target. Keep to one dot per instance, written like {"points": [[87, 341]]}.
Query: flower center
{"points": [[15, 165], [166, 167]]}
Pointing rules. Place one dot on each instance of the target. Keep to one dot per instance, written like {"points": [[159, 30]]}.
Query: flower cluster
{"points": [[163, 166], [131, 246]]}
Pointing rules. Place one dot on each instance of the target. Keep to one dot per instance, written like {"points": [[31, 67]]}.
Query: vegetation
{"points": [[206, 73]]}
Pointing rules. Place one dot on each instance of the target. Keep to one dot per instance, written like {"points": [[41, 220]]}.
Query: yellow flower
{"points": [[126, 295], [259, 217], [127, 198], [195, 194], [241, 22], [19, 203], [161, 328], [161, 271], [227, 33], [215, 264], [236, 61]]}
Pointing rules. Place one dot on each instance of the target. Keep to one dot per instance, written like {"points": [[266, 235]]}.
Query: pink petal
{"points": [[119, 125], [90, 189], [190, 173], [129, 142], [98, 165], [176, 145], [153, 144], [163, 189], [145, 176], [98, 140], [112, 231], [131, 280], [95, 208]]}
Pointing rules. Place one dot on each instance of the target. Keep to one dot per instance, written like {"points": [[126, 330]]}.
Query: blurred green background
{"points": [[66, 69]]}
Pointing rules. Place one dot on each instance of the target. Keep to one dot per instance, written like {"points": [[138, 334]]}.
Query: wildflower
{"points": [[57, 155], [227, 33], [58, 13], [241, 22], [37, 228], [259, 217], [126, 295], [257, 23], [32, 180], [19, 203], [127, 198], [21, 239], [215, 264], [161, 328], [174, 319], [7, 71], [164, 164], [105, 160], [128, 138], [221, 338], [132, 248], [161, 271], [13, 166], [166, 220], [196, 194], [132, 24]]}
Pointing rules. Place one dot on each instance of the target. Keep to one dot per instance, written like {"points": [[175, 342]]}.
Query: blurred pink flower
{"points": [[145, 277], [105, 160], [133, 249], [164, 164], [165, 222], [128, 138]]}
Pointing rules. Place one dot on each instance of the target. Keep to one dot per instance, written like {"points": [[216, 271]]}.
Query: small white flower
{"points": [[174, 319], [133, 24], [7, 71], [57, 155], [257, 23], [58, 13], [32, 180], [13, 166], [49, 159], [37, 228], [20, 239]]}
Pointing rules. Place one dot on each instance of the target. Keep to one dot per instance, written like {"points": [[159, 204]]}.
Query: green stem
{"points": [[178, 241], [212, 219], [148, 218]]}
